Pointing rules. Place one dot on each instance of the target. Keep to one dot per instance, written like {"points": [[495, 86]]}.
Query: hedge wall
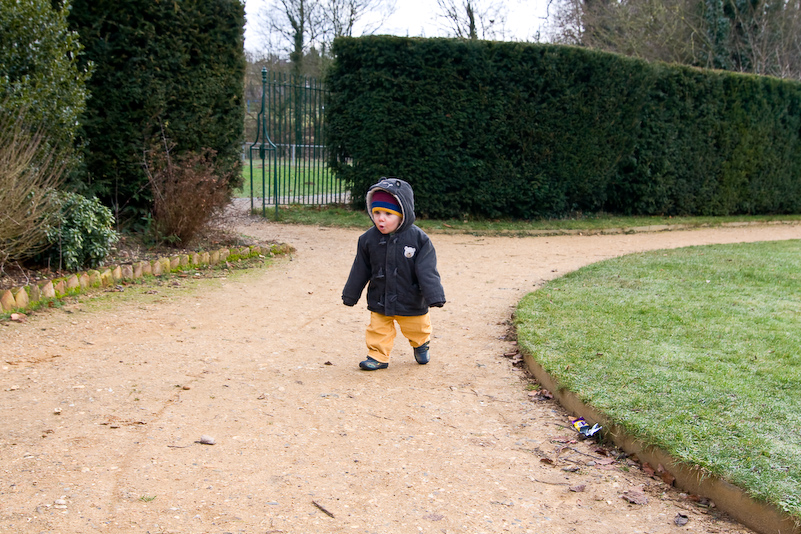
{"points": [[498, 129], [179, 64]]}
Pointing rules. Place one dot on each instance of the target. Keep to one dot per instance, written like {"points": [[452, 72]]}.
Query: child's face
{"points": [[385, 221]]}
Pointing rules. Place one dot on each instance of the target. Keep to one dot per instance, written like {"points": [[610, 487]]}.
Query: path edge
{"points": [[25, 298], [759, 516]]}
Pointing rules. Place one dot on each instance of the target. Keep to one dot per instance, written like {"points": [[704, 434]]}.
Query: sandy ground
{"points": [[102, 412]]}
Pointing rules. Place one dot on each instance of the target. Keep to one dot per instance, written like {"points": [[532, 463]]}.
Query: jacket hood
{"points": [[402, 192]]}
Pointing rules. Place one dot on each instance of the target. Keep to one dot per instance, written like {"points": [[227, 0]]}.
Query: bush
{"points": [[81, 235], [39, 71], [187, 192], [25, 183]]}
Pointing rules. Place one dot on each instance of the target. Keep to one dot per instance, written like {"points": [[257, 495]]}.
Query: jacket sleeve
{"points": [[360, 273], [427, 274]]}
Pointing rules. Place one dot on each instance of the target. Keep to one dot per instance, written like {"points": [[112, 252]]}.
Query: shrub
{"points": [[82, 233], [39, 71], [187, 192], [25, 180]]}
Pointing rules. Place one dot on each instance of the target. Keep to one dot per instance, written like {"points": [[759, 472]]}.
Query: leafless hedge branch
{"points": [[187, 192], [28, 175]]}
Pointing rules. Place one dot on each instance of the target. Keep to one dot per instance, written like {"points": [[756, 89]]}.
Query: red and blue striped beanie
{"points": [[382, 200]]}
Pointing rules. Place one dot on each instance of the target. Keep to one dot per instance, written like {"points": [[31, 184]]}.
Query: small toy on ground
{"points": [[584, 429]]}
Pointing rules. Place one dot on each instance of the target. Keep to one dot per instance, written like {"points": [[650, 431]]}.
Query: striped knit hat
{"points": [[385, 201]]}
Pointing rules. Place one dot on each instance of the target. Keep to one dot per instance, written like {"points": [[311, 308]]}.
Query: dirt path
{"points": [[305, 442]]}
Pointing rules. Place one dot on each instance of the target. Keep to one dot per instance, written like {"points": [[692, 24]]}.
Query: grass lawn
{"points": [[695, 350], [293, 181], [345, 217]]}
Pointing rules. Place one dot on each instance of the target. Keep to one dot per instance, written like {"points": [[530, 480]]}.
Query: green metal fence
{"points": [[288, 159]]}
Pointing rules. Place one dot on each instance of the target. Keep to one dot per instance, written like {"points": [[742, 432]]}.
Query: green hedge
{"points": [[522, 130], [40, 79], [177, 64], [714, 143]]}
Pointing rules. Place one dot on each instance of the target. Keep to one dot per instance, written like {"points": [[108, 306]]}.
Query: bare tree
{"points": [[756, 36], [473, 19], [292, 26], [664, 30], [342, 17], [304, 29], [765, 37]]}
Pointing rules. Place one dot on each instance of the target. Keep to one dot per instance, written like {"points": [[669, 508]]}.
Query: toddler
{"points": [[398, 261]]}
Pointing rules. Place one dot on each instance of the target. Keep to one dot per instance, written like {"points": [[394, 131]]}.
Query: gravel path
{"points": [[103, 410]]}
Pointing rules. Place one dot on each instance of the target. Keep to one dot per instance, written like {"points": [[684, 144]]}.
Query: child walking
{"points": [[400, 264]]}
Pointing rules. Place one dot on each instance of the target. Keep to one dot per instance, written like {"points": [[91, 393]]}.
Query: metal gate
{"points": [[288, 159]]}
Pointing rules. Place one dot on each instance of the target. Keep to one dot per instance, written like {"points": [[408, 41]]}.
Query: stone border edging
{"points": [[23, 298], [761, 517]]}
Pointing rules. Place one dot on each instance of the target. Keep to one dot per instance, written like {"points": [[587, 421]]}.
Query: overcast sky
{"points": [[418, 18]]}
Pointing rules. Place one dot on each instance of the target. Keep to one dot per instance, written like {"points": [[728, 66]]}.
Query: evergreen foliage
{"points": [[81, 234], [520, 130], [178, 65], [39, 74]]}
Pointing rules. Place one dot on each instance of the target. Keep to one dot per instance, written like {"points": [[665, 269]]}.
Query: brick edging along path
{"points": [[26, 297]]}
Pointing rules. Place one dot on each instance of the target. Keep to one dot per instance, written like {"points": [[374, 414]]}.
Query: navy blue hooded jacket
{"points": [[401, 267]]}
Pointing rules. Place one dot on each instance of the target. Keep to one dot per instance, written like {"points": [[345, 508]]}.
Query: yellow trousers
{"points": [[381, 333]]}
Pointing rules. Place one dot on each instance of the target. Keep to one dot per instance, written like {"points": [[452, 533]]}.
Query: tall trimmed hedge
{"points": [[527, 130], [178, 65]]}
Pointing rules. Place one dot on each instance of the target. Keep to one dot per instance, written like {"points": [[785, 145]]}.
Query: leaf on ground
{"points": [[635, 497], [680, 520], [647, 469], [667, 478], [540, 394], [701, 501]]}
